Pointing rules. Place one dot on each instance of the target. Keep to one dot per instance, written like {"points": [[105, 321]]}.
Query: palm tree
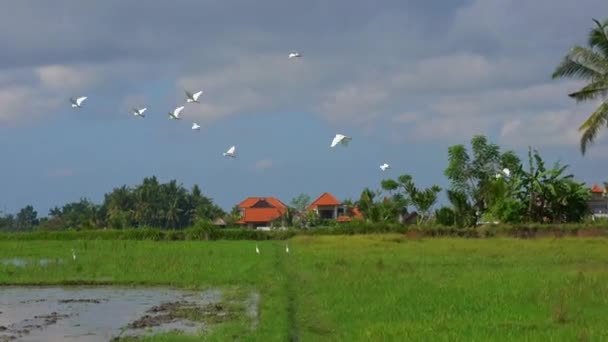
{"points": [[590, 64]]}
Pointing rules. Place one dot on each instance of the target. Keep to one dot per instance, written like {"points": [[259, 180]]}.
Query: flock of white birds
{"points": [[175, 114]]}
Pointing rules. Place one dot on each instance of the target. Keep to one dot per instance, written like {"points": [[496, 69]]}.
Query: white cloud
{"points": [[61, 77], [559, 128], [354, 104], [482, 66], [548, 128], [408, 117], [250, 84]]}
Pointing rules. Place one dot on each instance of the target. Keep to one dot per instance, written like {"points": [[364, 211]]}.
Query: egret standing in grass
{"points": [[73, 254], [287, 248], [257, 250]]}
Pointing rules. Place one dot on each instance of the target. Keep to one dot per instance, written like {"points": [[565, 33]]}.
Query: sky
{"points": [[404, 79]]}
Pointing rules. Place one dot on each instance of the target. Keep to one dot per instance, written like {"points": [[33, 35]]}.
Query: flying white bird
{"points": [[230, 152], [78, 102], [385, 167], [294, 54], [257, 250], [139, 112], [196, 126], [193, 97], [340, 139], [174, 115], [506, 171]]}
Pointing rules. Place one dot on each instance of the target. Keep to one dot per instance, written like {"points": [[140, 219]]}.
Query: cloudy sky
{"points": [[405, 79]]}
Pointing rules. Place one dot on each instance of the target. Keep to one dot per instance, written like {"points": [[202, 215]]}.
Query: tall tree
{"points": [[368, 208], [422, 199], [551, 194], [471, 176], [26, 218], [589, 63], [300, 202]]}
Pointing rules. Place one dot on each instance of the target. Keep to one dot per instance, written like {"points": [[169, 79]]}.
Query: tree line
{"points": [[486, 184], [150, 204]]}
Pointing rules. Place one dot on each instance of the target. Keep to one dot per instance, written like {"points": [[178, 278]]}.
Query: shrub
{"points": [[445, 216]]}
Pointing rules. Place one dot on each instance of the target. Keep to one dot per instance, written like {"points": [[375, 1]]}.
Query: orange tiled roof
{"points": [[325, 199], [252, 215], [345, 218], [251, 201], [597, 189]]}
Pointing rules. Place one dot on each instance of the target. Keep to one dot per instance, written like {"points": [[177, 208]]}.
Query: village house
{"points": [[260, 211], [598, 203], [328, 207]]}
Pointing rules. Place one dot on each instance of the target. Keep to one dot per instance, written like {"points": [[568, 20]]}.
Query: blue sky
{"points": [[405, 79]]}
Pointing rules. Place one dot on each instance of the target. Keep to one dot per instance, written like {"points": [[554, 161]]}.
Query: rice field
{"points": [[356, 288]]}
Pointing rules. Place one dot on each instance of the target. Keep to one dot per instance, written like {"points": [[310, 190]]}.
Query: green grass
{"points": [[361, 288]]}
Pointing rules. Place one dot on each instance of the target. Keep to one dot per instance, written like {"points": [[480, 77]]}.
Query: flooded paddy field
{"points": [[109, 313]]}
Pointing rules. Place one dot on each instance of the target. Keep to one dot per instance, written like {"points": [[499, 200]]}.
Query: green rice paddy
{"points": [[358, 288]]}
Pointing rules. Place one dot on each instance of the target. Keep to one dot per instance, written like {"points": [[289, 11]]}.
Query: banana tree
{"points": [[551, 194]]}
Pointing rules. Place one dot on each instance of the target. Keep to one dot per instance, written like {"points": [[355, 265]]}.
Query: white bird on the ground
{"points": [[231, 152], [174, 115], [340, 139], [287, 248], [73, 254], [385, 167], [294, 54], [193, 97], [257, 250], [196, 126], [78, 102], [139, 112]]}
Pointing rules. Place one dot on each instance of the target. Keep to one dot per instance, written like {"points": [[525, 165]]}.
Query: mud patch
{"points": [[182, 311], [26, 326], [94, 301], [113, 313]]}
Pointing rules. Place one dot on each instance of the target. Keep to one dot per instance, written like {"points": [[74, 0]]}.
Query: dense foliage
{"points": [[496, 187], [150, 204]]}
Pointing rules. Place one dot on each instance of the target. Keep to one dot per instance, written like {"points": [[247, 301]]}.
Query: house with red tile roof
{"points": [[328, 207], [260, 211], [598, 203]]}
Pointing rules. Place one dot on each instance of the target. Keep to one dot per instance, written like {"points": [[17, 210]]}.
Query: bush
{"points": [[207, 231], [445, 216]]}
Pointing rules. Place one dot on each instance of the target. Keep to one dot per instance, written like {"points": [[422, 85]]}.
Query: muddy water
{"points": [[96, 313], [19, 262]]}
